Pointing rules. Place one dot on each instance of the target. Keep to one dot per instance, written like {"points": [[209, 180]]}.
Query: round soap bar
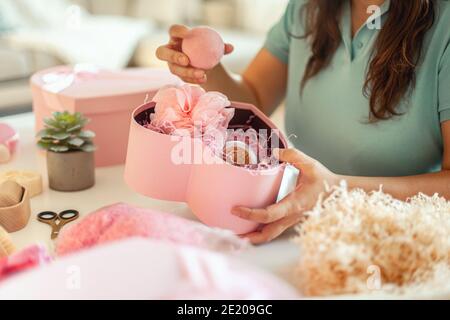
{"points": [[204, 47], [238, 153]]}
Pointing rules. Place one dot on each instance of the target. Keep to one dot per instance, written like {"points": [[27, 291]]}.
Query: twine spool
{"points": [[14, 218]]}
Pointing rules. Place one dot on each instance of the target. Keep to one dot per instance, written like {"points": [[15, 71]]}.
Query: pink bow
{"points": [[56, 82], [189, 110]]}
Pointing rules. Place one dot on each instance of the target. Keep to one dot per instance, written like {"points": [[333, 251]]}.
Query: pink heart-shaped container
{"points": [[210, 190]]}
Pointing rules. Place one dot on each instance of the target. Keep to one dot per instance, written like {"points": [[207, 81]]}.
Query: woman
{"points": [[369, 105]]}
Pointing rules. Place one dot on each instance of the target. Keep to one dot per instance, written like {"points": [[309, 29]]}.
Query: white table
{"points": [[110, 188]]}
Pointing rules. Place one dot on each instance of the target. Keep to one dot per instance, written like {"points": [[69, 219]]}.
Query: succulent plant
{"points": [[64, 133]]}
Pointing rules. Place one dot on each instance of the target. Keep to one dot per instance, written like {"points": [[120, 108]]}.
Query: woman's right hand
{"points": [[178, 62]]}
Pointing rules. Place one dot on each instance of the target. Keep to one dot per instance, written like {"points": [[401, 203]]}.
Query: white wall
{"points": [[161, 11], [167, 11], [259, 15]]}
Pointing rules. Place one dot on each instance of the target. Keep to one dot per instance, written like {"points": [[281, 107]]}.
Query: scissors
{"points": [[57, 221]]}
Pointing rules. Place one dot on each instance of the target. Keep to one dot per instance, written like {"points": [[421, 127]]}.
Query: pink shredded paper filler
{"points": [[122, 221]]}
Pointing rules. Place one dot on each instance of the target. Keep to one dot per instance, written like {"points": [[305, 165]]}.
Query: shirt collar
{"points": [[346, 22], [347, 18], [384, 8]]}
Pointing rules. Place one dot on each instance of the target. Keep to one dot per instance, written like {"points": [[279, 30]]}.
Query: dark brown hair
{"points": [[396, 54]]}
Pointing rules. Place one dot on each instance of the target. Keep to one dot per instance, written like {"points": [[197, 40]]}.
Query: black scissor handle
{"points": [[47, 215], [68, 214]]}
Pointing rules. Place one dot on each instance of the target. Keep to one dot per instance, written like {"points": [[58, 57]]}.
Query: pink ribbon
{"points": [[56, 82]]}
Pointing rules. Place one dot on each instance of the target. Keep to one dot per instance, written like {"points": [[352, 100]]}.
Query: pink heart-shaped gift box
{"points": [[210, 190], [106, 97]]}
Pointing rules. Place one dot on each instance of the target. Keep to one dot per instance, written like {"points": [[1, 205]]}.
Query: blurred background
{"points": [[37, 34]]}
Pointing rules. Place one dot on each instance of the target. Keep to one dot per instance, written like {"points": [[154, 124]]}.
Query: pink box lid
{"points": [[79, 88]]}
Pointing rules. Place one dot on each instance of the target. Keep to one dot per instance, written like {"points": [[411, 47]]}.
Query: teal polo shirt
{"points": [[329, 120]]}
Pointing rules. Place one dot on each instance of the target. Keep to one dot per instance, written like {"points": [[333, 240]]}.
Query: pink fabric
{"points": [[210, 276], [256, 144], [28, 258], [122, 221], [147, 269]]}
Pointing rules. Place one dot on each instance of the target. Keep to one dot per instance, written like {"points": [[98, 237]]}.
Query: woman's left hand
{"points": [[289, 211]]}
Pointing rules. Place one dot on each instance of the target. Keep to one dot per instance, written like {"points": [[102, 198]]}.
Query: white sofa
{"points": [[16, 66], [32, 48]]}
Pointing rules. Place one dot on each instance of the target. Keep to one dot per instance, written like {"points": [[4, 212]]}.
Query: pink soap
{"points": [[204, 47]]}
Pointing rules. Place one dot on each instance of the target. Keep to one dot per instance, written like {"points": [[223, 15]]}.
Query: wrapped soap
{"points": [[10, 194], [239, 153], [30, 180]]}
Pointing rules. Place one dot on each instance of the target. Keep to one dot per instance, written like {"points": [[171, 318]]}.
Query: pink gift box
{"points": [[210, 190], [106, 97]]}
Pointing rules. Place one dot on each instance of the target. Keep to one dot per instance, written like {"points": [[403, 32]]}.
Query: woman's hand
{"points": [[179, 62], [289, 211]]}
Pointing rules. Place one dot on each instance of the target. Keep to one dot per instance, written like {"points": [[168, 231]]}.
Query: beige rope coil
{"points": [[14, 206]]}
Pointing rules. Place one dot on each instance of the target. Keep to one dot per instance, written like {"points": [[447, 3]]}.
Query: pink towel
{"points": [[122, 221], [28, 258], [147, 269]]}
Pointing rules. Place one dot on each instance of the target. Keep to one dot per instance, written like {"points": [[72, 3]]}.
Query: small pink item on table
{"points": [[122, 221], [28, 258], [147, 269], [9, 140], [204, 47]]}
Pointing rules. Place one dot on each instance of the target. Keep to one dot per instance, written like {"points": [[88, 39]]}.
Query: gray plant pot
{"points": [[71, 171]]}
